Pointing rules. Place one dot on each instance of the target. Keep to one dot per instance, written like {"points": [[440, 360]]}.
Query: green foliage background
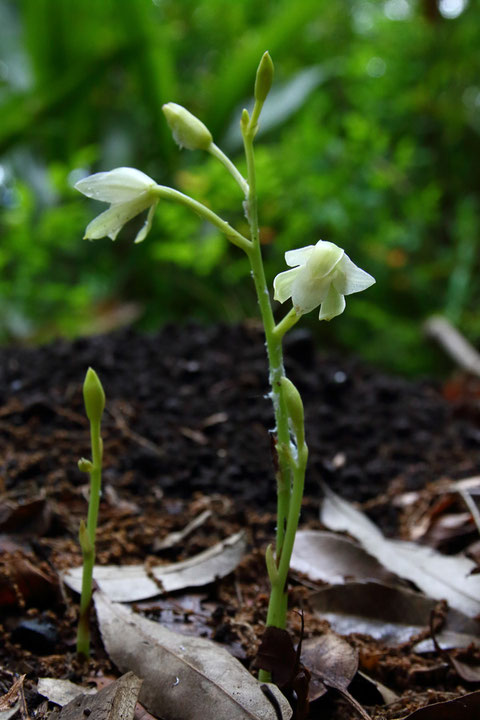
{"points": [[371, 140]]}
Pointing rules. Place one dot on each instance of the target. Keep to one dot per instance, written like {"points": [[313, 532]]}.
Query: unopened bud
{"points": [[294, 405], [85, 465], [93, 396], [187, 130], [264, 79]]}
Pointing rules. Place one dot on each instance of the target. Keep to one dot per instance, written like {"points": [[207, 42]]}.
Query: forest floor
{"points": [[186, 433]]}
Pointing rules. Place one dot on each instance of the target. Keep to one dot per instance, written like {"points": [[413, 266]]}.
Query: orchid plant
{"points": [[321, 275]]}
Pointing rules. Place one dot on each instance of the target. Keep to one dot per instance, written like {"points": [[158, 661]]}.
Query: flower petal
{"points": [[299, 256], [147, 225], [350, 279], [333, 305], [112, 220], [282, 284], [308, 291], [324, 258], [116, 186]]}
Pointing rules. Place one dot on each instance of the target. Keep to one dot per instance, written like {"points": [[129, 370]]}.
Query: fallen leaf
{"points": [[23, 584], [61, 692], [331, 661], [278, 656], [466, 707], [439, 576], [11, 696], [182, 675], [470, 672], [387, 696], [29, 518], [14, 700], [128, 583], [467, 669], [334, 558], [115, 702], [390, 614]]}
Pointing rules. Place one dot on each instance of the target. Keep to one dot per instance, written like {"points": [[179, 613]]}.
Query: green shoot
{"points": [[94, 399]]}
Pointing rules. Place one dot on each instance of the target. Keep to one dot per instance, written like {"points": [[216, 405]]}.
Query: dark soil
{"points": [[187, 427]]}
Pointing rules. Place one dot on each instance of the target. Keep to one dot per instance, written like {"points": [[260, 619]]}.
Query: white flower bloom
{"points": [[129, 193], [322, 275]]}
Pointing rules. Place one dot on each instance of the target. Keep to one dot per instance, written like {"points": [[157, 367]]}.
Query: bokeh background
{"points": [[371, 139]]}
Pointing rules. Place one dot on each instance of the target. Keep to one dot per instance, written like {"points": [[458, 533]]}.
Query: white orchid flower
{"points": [[129, 193], [322, 275]]}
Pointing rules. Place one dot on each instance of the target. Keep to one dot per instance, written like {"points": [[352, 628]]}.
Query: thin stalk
{"points": [[293, 517], [233, 235], [95, 480], [275, 359], [286, 323], [87, 540], [228, 164]]}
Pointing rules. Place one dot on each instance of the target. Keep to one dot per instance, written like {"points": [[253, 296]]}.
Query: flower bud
{"points": [[187, 130], [85, 465], [294, 405], [264, 78], [93, 396], [245, 119]]}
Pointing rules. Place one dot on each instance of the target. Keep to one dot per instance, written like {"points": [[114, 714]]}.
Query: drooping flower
{"points": [[129, 193], [321, 274]]}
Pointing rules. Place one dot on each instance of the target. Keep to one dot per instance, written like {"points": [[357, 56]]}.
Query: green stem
{"points": [[87, 541], [275, 359], [293, 515], [225, 160], [286, 323], [95, 481], [233, 235]]}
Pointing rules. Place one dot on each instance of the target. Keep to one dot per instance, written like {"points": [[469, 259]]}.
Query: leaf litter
{"points": [[182, 674], [231, 367], [444, 577], [392, 615], [128, 583]]}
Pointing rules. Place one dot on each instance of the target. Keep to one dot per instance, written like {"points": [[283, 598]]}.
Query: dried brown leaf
{"points": [[334, 558], [390, 614], [466, 707], [115, 702], [331, 660], [128, 583], [439, 576], [182, 674]]}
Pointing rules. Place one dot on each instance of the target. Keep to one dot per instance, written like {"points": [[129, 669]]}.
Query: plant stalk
{"points": [[233, 235], [87, 540]]}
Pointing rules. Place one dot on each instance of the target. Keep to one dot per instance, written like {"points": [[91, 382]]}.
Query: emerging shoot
{"points": [[94, 399]]}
